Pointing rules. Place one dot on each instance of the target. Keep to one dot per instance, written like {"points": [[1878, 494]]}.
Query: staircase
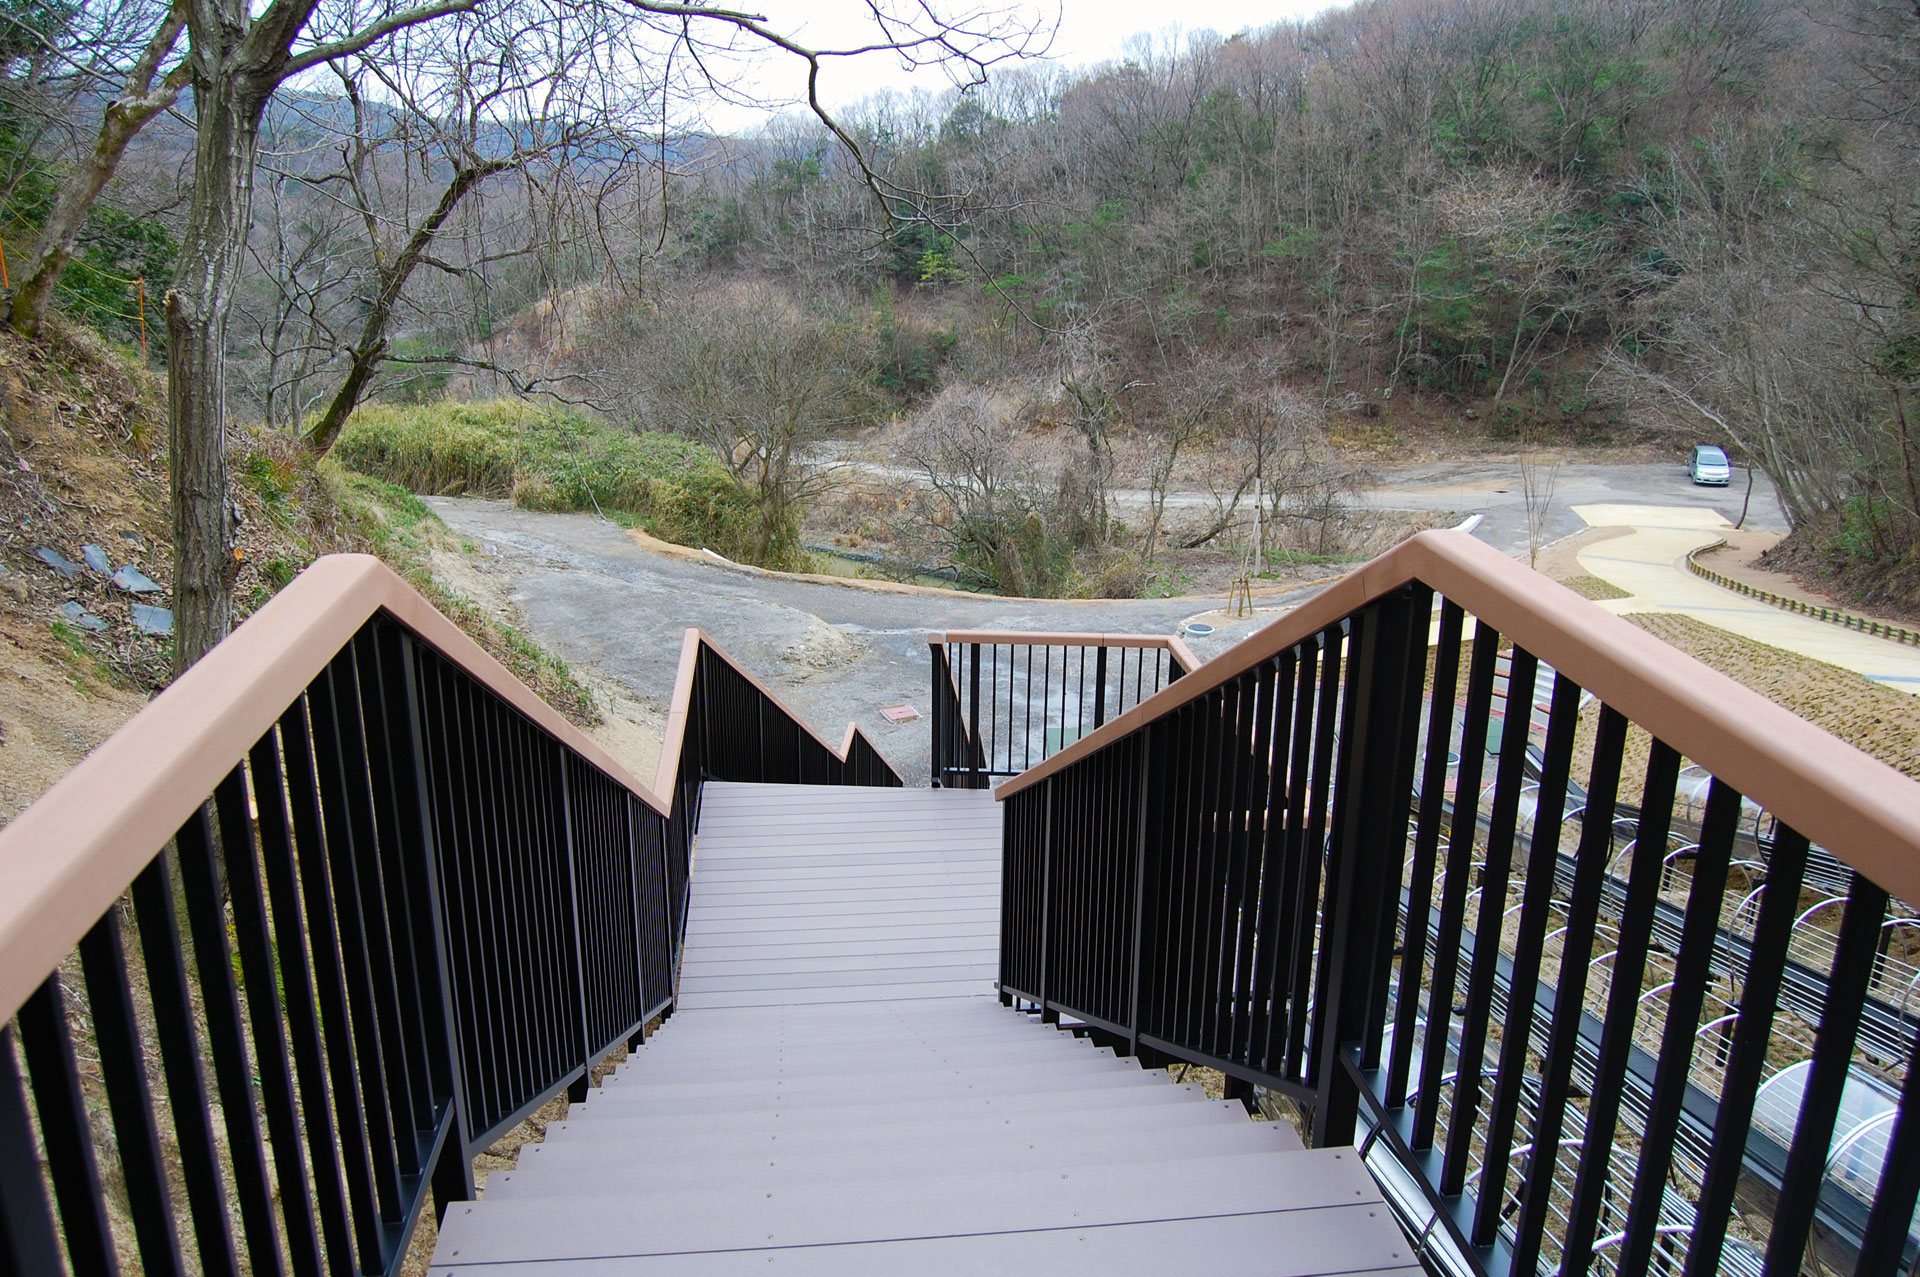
{"points": [[839, 1091]]}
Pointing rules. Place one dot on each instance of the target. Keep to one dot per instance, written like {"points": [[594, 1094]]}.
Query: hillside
{"points": [[82, 464]]}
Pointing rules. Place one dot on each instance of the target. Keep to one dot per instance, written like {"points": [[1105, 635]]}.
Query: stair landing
{"points": [[839, 1091]]}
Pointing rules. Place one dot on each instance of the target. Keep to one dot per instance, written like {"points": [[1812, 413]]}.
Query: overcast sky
{"points": [[1088, 31]]}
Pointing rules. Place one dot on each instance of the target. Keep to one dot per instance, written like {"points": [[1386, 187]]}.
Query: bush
{"points": [[549, 460]]}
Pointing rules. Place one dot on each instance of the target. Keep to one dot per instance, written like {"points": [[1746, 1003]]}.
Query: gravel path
{"points": [[836, 653]]}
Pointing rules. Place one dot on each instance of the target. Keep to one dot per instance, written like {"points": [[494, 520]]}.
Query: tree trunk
{"points": [[218, 216]]}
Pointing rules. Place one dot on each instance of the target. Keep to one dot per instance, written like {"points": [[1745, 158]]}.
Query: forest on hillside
{"points": [[1527, 222]]}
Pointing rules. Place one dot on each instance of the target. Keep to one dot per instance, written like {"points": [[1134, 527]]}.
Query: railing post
{"points": [[1099, 687], [1372, 792], [973, 715], [452, 1171], [1047, 1014], [936, 659], [639, 1035], [577, 1092], [1147, 735]]}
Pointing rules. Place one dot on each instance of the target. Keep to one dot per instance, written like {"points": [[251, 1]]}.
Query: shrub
{"points": [[542, 459]]}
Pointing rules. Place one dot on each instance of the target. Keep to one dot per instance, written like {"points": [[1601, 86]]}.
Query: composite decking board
{"points": [[874, 897], [817, 1213], [782, 947], [838, 1091], [1274, 1244], [580, 1169], [811, 997]]}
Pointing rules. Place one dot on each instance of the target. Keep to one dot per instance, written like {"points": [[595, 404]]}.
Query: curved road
{"points": [[838, 653], [587, 591]]}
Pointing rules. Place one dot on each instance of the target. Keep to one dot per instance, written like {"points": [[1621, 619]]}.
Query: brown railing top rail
{"points": [[1862, 810], [69, 856], [1182, 654]]}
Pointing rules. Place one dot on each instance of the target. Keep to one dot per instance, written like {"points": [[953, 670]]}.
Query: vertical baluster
{"points": [[1759, 998], [475, 994], [1270, 927], [260, 973], [1381, 723], [232, 1071], [1884, 1243], [1253, 799], [1591, 1186], [1459, 874], [29, 1242], [1692, 971], [153, 898], [1308, 845], [64, 1133], [326, 707], [270, 792], [1583, 910], [1426, 846], [1833, 1041], [123, 1069], [1501, 827], [398, 843], [1537, 895]]}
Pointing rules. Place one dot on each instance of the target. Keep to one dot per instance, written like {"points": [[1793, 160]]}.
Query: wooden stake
{"points": [[140, 292]]}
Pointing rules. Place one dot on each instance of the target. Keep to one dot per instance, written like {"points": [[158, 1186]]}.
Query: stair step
{"points": [[722, 1134], [663, 1066], [767, 1096], [587, 1225], [839, 1092], [582, 1167], [885, 1076], [1280, 1243], [1009, 1108]]}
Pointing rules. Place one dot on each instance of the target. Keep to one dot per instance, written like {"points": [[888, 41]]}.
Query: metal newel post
{"points": [[973, 714], [1047, 1014], [1368, 842], [1147, 736], [452, 1171], [577, 1091]]}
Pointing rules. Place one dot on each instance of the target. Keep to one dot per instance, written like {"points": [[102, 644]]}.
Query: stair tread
{"points": [[820, 1212], [837, 1091]]}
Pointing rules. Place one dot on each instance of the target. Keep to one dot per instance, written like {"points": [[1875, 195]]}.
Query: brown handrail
{"points": [[69, 856], [1864, 811]]}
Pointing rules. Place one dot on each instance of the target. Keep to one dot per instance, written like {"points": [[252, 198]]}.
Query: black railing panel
{"points": [[1405, 872], [408, 916], [1002, 703]]}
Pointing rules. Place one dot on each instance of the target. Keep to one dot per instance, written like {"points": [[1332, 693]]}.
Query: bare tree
{"points": [[759, 380], [238, 60], [145, 92]]}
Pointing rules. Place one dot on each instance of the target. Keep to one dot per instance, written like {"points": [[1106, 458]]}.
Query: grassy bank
{"points": [[400, 528], [543, 459]]}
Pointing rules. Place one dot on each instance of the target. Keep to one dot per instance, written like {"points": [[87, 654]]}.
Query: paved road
{"points": [[1650, 564], [585, 590], [1493, 489]]}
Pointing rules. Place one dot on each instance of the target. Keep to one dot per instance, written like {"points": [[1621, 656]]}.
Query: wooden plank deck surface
{"points": [[839, 1091]]}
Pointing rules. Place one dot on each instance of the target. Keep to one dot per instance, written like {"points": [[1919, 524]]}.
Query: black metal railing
{"points": [[1576, 1025], [1003, 702], [406, 918]]}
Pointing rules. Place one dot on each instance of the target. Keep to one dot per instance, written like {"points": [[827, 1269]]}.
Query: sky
{"points": [[1087, 32]]}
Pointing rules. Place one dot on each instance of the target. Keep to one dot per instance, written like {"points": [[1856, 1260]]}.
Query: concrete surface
{"points": [[1650, 564], [834, 653]]}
